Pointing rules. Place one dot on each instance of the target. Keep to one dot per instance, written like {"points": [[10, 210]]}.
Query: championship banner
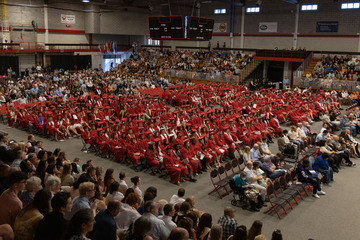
{"points": [[220, 27], [268, 26], [69, 19]]}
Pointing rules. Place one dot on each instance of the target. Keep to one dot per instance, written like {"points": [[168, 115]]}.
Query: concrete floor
{"points": [[334, 216]]}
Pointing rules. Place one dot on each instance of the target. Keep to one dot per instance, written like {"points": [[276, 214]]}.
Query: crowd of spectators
{"points": [[48, 196], [337, 68]]}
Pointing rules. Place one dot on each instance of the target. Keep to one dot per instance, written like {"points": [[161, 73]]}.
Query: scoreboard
{"points": [[200, 28], [181, 28], [166, 27]]}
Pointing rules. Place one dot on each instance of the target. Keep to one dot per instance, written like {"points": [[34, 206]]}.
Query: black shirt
{"points": [[52, 226]]}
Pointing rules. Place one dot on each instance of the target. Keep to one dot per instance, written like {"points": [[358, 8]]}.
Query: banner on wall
{"points": [[327, 26], [67, 19], [220, 27], [268, 26]]}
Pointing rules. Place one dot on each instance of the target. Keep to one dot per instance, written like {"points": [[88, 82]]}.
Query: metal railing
{"points": [[327, 83], [282, 53], [301, 69], [202, 76], [213, 76]]}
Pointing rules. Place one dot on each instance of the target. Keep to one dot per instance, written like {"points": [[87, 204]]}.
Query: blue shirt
{"points": [[320, 163], [238, 181], [105, 227], [344, 121], [79, 202]]}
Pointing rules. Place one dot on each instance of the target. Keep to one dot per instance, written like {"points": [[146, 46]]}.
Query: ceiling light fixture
{"points": [[85, 1]]}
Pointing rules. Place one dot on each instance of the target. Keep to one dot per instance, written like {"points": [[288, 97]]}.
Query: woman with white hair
{"points": [[53, 184], [33, 185]]}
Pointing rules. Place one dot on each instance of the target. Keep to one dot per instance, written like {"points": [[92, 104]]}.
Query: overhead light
{"points": [[85, 1]]}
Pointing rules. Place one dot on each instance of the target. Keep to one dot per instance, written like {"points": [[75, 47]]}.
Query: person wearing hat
{"points": [[222, 144], [189, 156], [214, 150], [152, 158], [174, 167], [133, 152], [51, 127]]}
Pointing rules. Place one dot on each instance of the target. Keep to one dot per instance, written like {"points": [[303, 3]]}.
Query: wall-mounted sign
{"points": [[268, 26], [327, 26], [67, 18], [220, 27]]}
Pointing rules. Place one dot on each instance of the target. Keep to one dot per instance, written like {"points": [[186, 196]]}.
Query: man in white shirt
{"points": [[169, 212], [301, 131], [252, 179], [128, 214], [179, 198], [158, 229], [123, 185]]}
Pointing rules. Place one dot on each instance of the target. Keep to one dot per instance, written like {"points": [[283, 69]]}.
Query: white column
{"points": [[242, 27], [231, 40], [46, 25], [359, 42], [296, 26]]}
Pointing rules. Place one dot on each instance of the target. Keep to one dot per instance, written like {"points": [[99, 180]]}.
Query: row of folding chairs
{"points": [[308, 148], [347, 109], [284, 193], [221, 176]]}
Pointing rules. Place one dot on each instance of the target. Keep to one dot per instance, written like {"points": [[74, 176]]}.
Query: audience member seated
{"points": [[158, 231], [347, 123], [271, 170], [321, 138], [255, 230], [114, 193], [204, 227], [9, 198], [252, 179], [87, 192], [141, 229], [129, 213], [169, 212], [285, 146], [178, 198], [179, 234], [54, 225], [322, 166], [33, 185], [105, 226], [294, 136], [240, 233], [305, 176], [80, 225], [251, 192], [28, 219]]}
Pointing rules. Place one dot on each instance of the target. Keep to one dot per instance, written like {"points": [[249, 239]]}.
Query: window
{"points": [[253, 9], [350, 5], [312, 7], [220, 11], [153, 42]]}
